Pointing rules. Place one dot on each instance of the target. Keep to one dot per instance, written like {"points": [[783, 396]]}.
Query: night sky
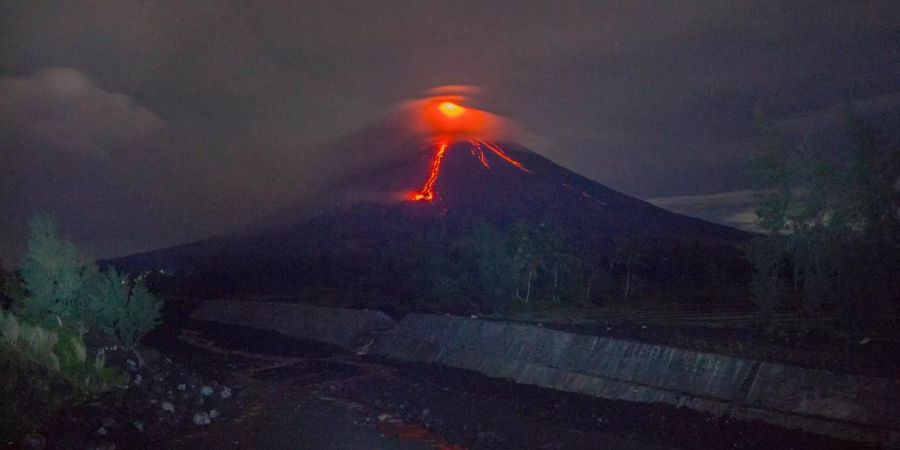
{"points": [[143, 124]]}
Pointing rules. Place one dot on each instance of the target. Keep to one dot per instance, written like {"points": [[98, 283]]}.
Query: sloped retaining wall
{"points": [[347, 328], [845, 406]]}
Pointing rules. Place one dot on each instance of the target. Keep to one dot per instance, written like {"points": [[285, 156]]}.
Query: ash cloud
{"points": [[61, 107]]}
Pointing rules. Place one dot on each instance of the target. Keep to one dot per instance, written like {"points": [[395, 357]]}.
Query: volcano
{"points": [[413, 185]]}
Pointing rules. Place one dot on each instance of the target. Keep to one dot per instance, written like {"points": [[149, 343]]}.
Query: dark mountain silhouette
{"points": [[333, 237]]}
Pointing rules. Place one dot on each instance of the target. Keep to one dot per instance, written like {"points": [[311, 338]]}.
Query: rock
{"points": [[139, 425], [101, 431], [166, 406], [34, 442], [100, 445], [201, 419], [109, 422], [206, 391], [150, 355], [426, 413], [138, 379], [214, 413], [226, 392], [182, 387], [488, 438]]}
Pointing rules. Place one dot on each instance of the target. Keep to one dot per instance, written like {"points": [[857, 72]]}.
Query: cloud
{"points": [[823, 118], [735, 209], [61, 107]]}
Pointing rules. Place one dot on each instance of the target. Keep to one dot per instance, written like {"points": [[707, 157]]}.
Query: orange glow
{"points": [[443, 120], [446, 120], [478, 152], [451, 109], [499, 151], [427, 192]]}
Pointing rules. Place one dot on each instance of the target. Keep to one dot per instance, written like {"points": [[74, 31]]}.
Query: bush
{"points": [[63, 290], [124, 310], [40, 373], [55, 276]]}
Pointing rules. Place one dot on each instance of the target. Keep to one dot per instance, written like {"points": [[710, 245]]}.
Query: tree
{"points": [[629, 254], [124, 310], [528, 256], [818, 213], [55, 275], [493, 266], [63, 289]]}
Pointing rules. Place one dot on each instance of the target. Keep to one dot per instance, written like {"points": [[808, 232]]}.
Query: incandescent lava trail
{"points": [[451, 122], [427, 192]]}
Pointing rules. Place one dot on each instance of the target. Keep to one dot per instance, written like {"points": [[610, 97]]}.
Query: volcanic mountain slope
{"points": [[382, 203], [520, 184]]}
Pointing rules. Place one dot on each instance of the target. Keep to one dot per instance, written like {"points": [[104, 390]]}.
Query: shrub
{"points": [[124, 310], [41, 373], [55, 275], [63, 290]]}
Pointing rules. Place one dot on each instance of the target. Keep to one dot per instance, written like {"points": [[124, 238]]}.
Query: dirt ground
{"points": [[300, 394]]}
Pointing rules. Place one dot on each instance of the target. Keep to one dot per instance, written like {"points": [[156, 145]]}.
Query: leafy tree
{"points": [[629, 254], [543, 263], [124, 310], [598, 282], [55, 276], [817, 213], [529, 259], [63, 289]]}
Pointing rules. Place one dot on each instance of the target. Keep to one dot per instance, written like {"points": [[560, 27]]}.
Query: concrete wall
{"points": [[846, 406], [348, 328]]}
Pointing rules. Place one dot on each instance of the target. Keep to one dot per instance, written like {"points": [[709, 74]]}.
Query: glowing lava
{"points": [[446, 122], [427, 192], [451, 109], [477, 150]]}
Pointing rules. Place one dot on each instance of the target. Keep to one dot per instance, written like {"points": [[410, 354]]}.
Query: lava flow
{"points": [[427, 192], [452, 117]]}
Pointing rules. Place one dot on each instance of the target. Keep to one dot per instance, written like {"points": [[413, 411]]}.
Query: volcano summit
{"points": [[416, 213]]}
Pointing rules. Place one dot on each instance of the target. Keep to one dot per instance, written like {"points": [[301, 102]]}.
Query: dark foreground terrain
{"points": [[291, 394]]}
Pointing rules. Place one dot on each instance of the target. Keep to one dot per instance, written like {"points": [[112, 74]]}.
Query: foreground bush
{"points": [[56, 275], [61, 297], [124, 310], [63, 290], [40, 373]]}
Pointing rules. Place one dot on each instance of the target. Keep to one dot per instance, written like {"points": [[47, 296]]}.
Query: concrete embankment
{"points": [[347, 328], [846, 406]]}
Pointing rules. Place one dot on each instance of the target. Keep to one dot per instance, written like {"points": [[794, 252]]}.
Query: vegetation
{"points": [[62, 289], [831, 230], [122, 309], [56, 276], [61, 297], [42, 371]]}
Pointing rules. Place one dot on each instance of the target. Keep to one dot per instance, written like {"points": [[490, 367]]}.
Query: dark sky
{"points": [[141, 124]]}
